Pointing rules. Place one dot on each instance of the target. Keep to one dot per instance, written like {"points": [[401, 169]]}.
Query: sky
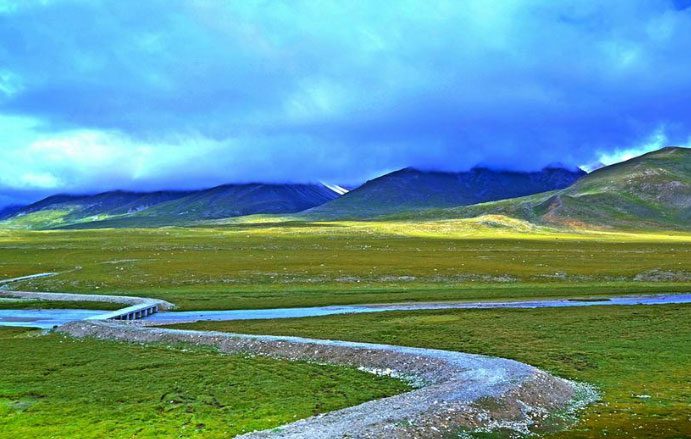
{"points": [[153, 94]]}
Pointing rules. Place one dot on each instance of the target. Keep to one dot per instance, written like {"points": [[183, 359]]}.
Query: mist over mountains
{"points": [[410, 189], [653, 191], [122, 208]]}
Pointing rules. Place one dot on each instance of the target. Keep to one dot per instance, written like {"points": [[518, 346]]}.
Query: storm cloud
{"points": [[96, 95]]}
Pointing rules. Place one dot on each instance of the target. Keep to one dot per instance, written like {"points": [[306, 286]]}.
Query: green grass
{"points": [[257, 263], [41, 219], [628, 352], [47, 304], [263, 262], [51, 386]]}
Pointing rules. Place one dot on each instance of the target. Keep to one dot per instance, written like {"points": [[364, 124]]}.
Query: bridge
{"points": [[136, 307], [133, 312]]}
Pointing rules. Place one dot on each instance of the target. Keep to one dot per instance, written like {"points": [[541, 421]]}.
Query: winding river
{"points": [[451, 388], [48, 318]]}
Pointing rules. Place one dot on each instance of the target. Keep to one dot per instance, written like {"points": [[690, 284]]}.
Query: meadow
{"points": [[262, 263], [638, 357], [54, 386]]}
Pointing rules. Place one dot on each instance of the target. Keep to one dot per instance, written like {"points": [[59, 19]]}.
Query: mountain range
{"points": [[413, 189], [140, 209], [650, 191]]}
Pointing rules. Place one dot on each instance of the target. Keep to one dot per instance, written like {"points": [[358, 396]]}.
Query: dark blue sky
{"points": [[148, 94]]}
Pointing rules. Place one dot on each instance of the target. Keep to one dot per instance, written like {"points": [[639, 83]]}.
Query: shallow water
{"points": [[44, 318], [48, 318], [284, 313]]}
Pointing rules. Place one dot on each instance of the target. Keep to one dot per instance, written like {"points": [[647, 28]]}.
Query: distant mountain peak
{"points": [[411, 188], [649, 191]]}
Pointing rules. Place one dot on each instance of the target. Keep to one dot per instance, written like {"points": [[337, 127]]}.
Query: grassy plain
{"points": [[263, 262], [639, 357], [51, 386]]}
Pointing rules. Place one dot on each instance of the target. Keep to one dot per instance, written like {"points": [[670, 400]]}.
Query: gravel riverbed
{"points": [[454, 390]]}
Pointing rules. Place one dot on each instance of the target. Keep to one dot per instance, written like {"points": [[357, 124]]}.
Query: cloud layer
{"points": [[96, 95]]}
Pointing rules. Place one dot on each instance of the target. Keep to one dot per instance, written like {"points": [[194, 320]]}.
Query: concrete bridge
{"points": [[134, 312], [137, 307]]}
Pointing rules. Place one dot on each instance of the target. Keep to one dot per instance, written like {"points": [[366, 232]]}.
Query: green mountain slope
{"points": [[246, 199], [650, 191], [410, 189], [128, 209], [59, 210]]}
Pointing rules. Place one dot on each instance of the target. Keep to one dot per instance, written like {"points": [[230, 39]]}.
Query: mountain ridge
{"points": [[125, 208], [649, 191], [411, 188]]}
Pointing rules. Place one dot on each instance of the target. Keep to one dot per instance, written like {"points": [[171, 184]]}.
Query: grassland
{"points": [[51, 386], [639, 357], [262, 262]]}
